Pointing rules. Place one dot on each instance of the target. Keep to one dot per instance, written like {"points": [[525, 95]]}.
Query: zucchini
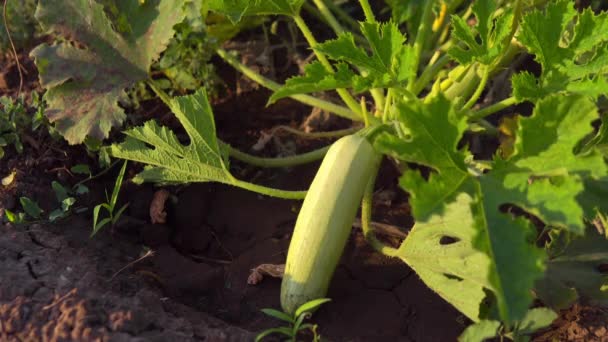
{"points": [[325, 220]]}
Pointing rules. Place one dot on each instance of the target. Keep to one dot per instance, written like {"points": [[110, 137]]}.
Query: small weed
{"points": [[110, 205], [296, 321], [16, 118]]}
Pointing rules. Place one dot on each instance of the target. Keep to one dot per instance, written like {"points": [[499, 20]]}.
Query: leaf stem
{"points": [[421, 39], [272, 192], [480, 87], [267, 83], [299, 159], [498, 106], [354, 25], [329, 17], [366, 216], [367, 10], [429, 74], [377, 94], [348, 99]]}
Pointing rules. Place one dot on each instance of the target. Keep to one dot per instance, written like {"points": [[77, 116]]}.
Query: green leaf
{"points": [[459, 214], [389, 54], [391, 63], [13, 217], [282, 330], [116, 216], [84, 85], [67, 203], [235, 10], [493, 34], [545, 176], [56, 214], [437, 127], [278, 315], [169, 161], [310, 306], [81, 189], [316, 78], [118, 185], [82, 169], [480, 331], [30, 207], [61, 193], [575, 273], [536, 319], [441, 251], [571, 47]]}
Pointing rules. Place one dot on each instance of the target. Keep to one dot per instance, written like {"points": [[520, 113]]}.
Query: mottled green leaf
{"points": [[575, 273], [493, 34], [571, 47], [458, 218], [85, 81], [237, 9]]}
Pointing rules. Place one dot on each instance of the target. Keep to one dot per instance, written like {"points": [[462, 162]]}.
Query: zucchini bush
{"points": [[492, 233]]}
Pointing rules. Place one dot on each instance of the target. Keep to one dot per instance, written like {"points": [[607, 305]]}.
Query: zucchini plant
{"points": [[492, 234]]}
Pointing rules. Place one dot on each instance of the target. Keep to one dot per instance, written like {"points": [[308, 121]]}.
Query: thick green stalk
{"points": [[366, 217], [317, 135], [421, 39], [429, 74], [267, 83], [367, 10], [299, 159], [329, 17], [286, 194], [479, 89], [498, 106], [377, 94], [348, 99], [354, 25]]}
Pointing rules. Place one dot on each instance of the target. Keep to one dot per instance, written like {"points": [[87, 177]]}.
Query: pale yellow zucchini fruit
{"points": [[325, 220]]}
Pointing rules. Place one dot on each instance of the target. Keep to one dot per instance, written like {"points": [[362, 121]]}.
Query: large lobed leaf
{"points": [[493, 34], [389, 63], [573, 56], [575, 272], [85, 84], [463, 241], [168, 160]]}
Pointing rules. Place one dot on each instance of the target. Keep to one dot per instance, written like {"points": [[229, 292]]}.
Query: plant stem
{"points": [[103, 172], [421, 39], [260, 189], [258, 161], [299, 159], [377, 94], [367, 10], [348, 99], [354, 25], [267, 83], [480, 87], [329, 17], [482, 113], [366, 216], [316, 135], [429, 73]]}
